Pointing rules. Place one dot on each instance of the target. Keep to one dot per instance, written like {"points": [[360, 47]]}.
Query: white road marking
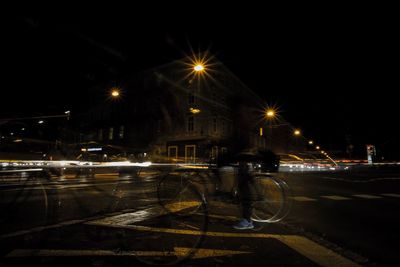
{"points": [[306, 247], [146, 214]]}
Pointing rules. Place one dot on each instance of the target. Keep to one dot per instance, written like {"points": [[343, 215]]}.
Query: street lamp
{"points": [[297, 132], [198, 67], [115, 93], [270, 113]]}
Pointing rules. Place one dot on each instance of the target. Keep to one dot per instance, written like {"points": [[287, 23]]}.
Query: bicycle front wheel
{"points": [[271, 201], [175, 191], [174, 235]]}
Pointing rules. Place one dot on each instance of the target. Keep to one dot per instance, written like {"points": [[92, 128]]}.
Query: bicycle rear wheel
{"points": [[271, 201]]}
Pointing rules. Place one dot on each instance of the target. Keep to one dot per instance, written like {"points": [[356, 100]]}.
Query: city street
{"points": [[189, 136], [337, 218]]}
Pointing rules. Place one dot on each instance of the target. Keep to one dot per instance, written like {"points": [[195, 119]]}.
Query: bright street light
{"points": [[297, 132], [270, 113], [199, 67], [310, 142], [115, 93]]}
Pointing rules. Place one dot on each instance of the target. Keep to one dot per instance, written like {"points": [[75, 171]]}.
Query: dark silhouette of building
{"points": [[177, 113]]}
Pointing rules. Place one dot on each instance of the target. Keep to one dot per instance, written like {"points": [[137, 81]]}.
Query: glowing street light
{"points": [[198, 67], [317, 147], [310, 142], [270, 113], [194, 110], [297, 132], [115, 93]]}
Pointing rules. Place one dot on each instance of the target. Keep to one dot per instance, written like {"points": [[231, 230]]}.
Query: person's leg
{"points": [[245, 198], [217, 179], [244, 180]]}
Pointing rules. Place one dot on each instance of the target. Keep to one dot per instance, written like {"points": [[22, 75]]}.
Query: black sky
{"points": [[332, 76]]}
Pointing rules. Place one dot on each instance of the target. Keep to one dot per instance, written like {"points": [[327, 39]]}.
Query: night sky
{"points": [[333, 76]]}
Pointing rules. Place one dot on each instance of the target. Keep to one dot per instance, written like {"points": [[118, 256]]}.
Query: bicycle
{"points": [[155, 231], [124, 238], [270, 195]]}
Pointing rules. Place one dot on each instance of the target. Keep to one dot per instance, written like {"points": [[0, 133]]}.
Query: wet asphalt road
{"points": [[352, 215]]}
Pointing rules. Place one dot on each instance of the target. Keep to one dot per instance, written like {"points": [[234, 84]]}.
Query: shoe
{"points": [[244, 224]]}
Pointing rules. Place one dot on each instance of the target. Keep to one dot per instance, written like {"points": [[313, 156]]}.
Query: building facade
{"points": [[176, 113]]}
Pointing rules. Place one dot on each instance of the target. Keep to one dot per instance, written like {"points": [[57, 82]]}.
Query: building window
{"points": [[190, 125], [121, 132], [100, 134], [172, 152], [190, 153], [111, 133], [215, 124], [191, 98], [214, 152]]}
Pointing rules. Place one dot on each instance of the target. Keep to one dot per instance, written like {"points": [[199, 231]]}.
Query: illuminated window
{"points": [[190, 153]]}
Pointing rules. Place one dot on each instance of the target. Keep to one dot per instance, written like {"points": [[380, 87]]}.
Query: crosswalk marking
{"points": [[130, 217], [333, 197], [303, 199], [367, 196], [306, 247]]}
